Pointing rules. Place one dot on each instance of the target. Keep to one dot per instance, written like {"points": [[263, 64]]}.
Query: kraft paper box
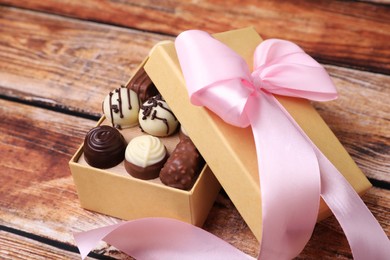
{"points": [[114, 192], [230, 151]]}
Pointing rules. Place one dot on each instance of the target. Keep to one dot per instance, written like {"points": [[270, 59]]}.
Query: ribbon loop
{"points": [[285, 69], [214, 77]]}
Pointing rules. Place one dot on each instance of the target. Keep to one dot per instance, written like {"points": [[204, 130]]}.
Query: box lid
{"points": [[230, 151]]}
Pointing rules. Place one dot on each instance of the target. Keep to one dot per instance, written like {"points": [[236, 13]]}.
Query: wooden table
{"points": [[58, 59]]}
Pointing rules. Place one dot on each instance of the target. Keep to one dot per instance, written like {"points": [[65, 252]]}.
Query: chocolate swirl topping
{"points": [[104, 147]]}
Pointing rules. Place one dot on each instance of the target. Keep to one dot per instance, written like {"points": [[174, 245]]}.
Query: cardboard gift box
{"points": [[229, 153], [114, 192]]}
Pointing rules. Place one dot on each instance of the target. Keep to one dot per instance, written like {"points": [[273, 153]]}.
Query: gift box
{"points": [[114, 192], [230, 151]]}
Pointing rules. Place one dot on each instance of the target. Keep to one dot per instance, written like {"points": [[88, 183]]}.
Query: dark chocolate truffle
{"points": [[104, 147]]}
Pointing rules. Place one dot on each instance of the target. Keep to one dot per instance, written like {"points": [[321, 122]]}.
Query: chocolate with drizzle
{"points": [[148, 110], [114, 108], [104, 147]]}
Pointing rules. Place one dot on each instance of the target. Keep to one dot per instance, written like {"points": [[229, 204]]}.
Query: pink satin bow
{"points": [[292, 170], [219, 79]]}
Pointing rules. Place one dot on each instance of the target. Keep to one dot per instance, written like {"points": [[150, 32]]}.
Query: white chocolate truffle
{"points": [[145, 150], [156, 118], [121, 107]]}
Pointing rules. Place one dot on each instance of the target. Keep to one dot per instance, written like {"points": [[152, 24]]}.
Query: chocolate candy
{"points": [[145, 156], [156, 118], [142, 85], [104, 147], [121, 107], [182, 167]]}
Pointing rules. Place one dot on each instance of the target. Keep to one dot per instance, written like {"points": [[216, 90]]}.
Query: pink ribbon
{"points": [[159, 238], [292, 170]]}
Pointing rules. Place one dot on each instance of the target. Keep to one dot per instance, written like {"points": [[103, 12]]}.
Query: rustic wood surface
{"points": [[58, 61], [338, 32]]}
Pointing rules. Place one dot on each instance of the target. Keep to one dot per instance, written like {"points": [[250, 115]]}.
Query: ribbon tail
{"points": [[87, 240], [365, 236], [160, 238], [289, 179]]}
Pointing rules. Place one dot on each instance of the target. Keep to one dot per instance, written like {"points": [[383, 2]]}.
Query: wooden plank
{"points": [[65, 63], [35, 151], [346, 33], [18, 247], [75, 64], [327, 241], [385, 2], [359, 118], [40, 196]]}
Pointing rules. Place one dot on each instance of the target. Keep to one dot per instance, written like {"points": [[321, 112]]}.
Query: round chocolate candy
{"points": [[104, 147], [145, 156], [121, 107], [156, 118]]}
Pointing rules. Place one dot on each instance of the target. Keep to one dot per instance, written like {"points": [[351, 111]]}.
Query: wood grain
{"points": [[64, 63], [385, 2], [69, 65], [327, 242], [53, 61], [40, 196], [18, 247], [328, 237], [346, 33], [360, 118]]}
